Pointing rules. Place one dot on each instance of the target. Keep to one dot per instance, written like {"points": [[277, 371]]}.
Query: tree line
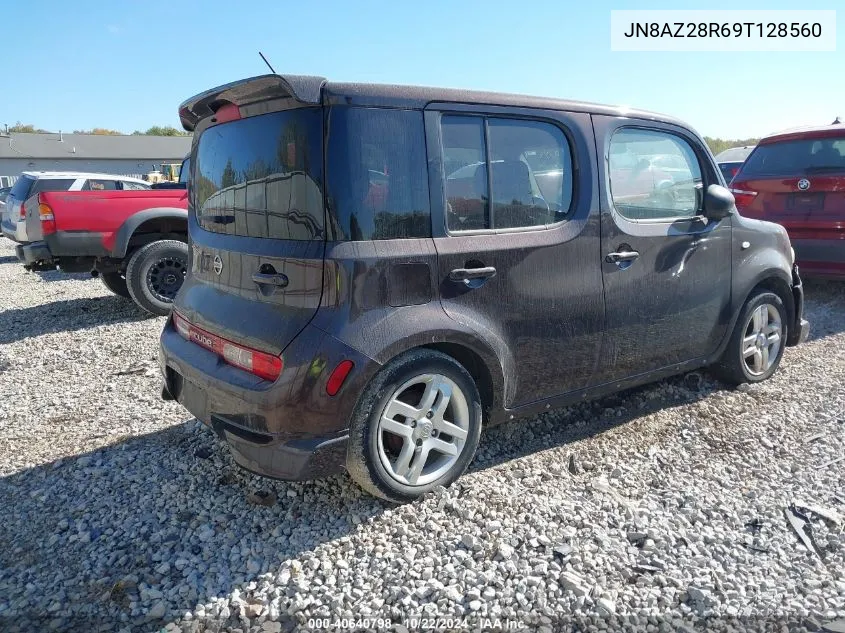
{"points": [[718, 145], [155, 130]]}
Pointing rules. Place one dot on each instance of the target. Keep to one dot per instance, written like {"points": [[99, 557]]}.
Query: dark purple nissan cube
{"points": [[377, 272]]}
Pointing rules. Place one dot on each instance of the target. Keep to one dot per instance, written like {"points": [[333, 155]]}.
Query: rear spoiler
{"points": [[302, 88]]}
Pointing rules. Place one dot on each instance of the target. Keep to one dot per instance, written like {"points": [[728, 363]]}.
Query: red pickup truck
{"points": [[135, 241]]}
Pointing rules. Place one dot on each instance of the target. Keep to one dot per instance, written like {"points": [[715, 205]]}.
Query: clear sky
{"points": [[127, 65]]}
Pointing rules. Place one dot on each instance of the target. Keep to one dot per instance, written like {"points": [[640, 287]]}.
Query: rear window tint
{"points": [[262, 176], [377, 176], [185, 170], [796, 158], [51, 184], [20, 190]]}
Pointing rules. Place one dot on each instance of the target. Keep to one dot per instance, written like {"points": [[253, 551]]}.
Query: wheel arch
{"points": [[477, 368], [166, 222], [775, 281], [488, 369]]}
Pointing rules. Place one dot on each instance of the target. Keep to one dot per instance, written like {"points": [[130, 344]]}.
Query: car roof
{"points": [[311, 90], [734, 154], [79, 174], [810, 131]]}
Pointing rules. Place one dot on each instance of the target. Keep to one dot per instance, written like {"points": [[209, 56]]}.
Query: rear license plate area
{"points": [[805, 202]]}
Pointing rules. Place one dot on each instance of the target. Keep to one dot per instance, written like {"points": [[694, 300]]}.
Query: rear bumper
{"points": [[800, 329], [290, 429], [72, 252], [34, 254], [14, 230], [820, 258]]}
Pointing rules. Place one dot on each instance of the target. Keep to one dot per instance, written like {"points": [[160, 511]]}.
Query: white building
{"points": [[125, 155]]}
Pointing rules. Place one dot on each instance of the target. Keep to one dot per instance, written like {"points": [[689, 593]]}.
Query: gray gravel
{"points": [[660, 508]]}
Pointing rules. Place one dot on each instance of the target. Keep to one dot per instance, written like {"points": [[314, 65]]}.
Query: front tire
{"points": [[416, 427], [155, 273], [757, 343], [116, 283]]}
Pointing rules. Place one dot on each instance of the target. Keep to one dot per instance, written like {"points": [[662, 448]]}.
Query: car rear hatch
{"points": [[256, 213], [799, 183]]}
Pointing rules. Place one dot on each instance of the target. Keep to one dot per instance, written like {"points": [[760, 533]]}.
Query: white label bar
{"points": [[712, 31]]}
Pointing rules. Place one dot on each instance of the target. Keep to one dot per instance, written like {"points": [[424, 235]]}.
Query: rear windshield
{"points": [[262, 176], [20, 190], [796, 158]]}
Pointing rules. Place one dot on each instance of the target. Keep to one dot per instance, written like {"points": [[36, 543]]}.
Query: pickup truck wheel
{"points": [[116, 283], [155, 273]]}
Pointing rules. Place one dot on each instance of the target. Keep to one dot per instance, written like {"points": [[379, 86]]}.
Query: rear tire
{"points": [[757, 343], [116, 283], [422, 406], [155, 273]]}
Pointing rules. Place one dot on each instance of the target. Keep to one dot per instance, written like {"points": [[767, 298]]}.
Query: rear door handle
{"points": [[619, 257], [468, 274], [270, 279]]}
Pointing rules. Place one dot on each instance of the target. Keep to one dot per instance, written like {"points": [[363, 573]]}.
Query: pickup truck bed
{"points": [[105, 232], [98, 223]]}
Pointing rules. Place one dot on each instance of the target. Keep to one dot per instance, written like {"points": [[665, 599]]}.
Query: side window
{"points": [[465, 167], [654, 175], [99, 185], [530, 173], [50, 184], [128, 185]]}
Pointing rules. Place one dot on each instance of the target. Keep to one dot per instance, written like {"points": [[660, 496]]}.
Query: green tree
{"points": [[100, 131], [159, 130], [25, 128], [718, 145]]}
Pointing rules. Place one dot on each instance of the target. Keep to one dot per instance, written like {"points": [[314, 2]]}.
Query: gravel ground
{"points": [[657, 509]]}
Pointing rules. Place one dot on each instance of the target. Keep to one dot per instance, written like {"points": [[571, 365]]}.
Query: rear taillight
{"points": [[48, 221], [743, 198], [261, 364]]}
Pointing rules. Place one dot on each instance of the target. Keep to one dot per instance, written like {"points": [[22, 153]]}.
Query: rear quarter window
{"points": [[377, 175], [51, 184], [262, 176]]}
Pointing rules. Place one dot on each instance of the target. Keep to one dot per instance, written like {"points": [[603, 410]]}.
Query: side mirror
{"points": [[718, 202]]}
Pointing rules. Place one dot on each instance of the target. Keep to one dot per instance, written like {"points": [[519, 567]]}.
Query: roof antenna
{"points": [[266, 62], [837, 121]]}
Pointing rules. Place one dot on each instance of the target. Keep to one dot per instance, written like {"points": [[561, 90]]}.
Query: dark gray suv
{"points": [[378, 271]]}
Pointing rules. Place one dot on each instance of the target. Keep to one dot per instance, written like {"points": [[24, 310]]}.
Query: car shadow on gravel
{"points": [[824, 307], [65, 316], [169, 515], [567, 425], [57, 275], [8, 259]]}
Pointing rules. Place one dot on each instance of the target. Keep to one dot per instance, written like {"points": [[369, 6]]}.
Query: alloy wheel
{"points": [[423, 429], [762, 339]]}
